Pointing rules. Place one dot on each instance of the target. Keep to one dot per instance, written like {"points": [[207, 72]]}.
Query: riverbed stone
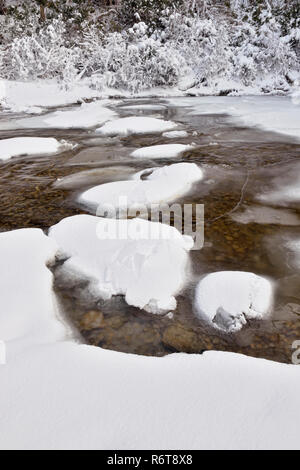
{"points": [[92, 319]]}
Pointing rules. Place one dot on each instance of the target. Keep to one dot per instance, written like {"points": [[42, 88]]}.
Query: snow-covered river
{"points": [[248, 151]]}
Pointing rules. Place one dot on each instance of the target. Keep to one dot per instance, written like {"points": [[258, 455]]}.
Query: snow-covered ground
{"points": [[30, 146], [58, 394]]}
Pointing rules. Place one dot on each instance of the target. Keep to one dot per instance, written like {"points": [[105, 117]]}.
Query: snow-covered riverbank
{"points": [[275, 113]]}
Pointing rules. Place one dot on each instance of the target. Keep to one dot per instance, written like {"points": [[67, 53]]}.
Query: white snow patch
{"points": [[83, 116], [227, 300], [18, 146], [27, 301], [162, 185], [127, 257], [28, 96], [175, 134], [135, 125], [161, 151], [87, 115]]}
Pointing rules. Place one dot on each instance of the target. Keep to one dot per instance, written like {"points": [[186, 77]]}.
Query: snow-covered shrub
{"points": [[43, 54], [260, 52], [203, 44], [132, 60], [146, 11], [241, 42]]}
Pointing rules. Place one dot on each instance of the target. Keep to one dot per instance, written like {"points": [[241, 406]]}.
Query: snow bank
{"points": [[227, 300], [27, 301], [29, 96], [161, 151], [162, 185], [127, 257], [30, 146], [57, 394], [135, 125]]}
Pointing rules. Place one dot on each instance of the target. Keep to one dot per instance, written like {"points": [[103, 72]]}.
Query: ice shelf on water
{"points": [[94, 176], [266, 215]]}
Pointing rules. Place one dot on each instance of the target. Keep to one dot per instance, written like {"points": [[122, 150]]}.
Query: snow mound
{"points": [[18, 146], [135, 125], [227, 300], [126, 257], [163, 185], [87, 115], [161, 151]]}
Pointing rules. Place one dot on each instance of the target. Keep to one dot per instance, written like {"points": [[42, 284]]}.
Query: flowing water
{"points": [[242, 231]]}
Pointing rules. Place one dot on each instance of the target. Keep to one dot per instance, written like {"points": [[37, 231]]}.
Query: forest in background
{"points": [[137, 45]]}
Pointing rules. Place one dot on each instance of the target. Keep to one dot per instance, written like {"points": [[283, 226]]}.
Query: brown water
{"points": [[239, 163]]}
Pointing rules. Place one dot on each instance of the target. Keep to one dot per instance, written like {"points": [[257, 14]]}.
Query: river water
{"points": [[243, 231]]}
